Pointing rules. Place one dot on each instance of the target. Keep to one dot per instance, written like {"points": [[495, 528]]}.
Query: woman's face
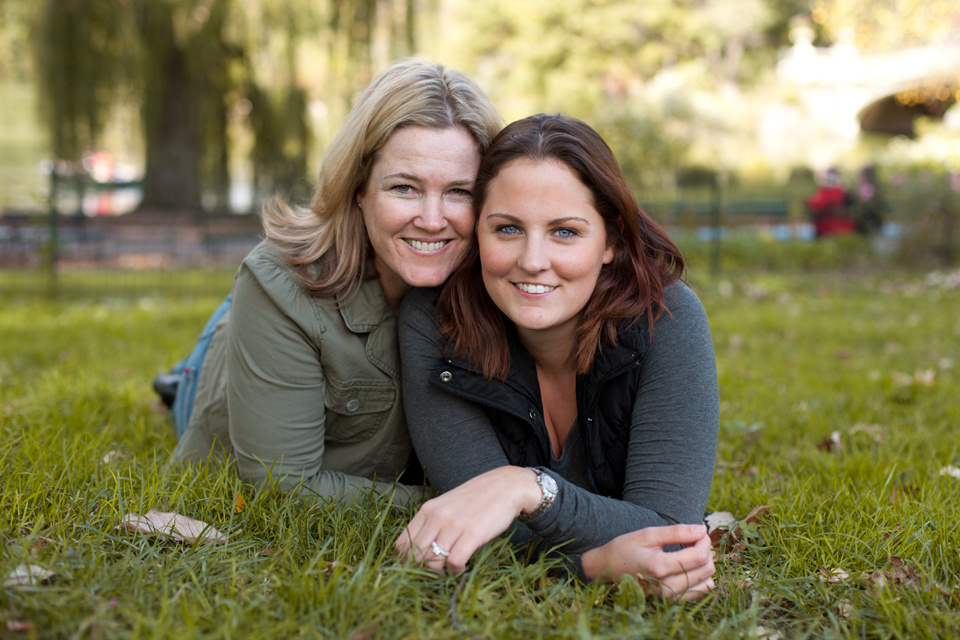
{"points": [[542, 245], [418, 206]]}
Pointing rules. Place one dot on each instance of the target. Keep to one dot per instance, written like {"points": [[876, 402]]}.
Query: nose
{"points": [[432, 218], [533, 257]]}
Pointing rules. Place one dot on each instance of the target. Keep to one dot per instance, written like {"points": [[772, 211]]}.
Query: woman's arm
{"points": [[671, 449], [275, 393]]}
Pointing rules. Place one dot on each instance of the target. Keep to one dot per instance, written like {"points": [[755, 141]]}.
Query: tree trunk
{"points": [[171, 120]]}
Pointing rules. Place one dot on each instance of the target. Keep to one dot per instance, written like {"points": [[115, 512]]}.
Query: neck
{"points": [[552, 349], [394, 288]]}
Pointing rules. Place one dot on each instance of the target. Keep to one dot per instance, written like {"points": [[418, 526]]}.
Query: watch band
{"points": [[549, 488]]}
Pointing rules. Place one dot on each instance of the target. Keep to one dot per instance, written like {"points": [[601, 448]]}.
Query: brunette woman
{"points": [[565, 374]]}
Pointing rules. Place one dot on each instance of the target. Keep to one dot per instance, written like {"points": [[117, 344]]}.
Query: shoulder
{"points": [[684, 320], [266, 270]]}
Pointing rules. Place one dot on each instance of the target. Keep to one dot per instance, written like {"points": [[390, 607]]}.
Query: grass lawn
{"points": [[805, 362]]}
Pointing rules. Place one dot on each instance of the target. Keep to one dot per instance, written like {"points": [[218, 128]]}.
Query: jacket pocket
{"points": [[357, 409]]}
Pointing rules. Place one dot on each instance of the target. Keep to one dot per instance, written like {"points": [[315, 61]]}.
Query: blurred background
{"points": [[139, 137]]}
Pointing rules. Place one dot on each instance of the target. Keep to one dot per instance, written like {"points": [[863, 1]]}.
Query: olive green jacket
{"points": [[301, 392]]}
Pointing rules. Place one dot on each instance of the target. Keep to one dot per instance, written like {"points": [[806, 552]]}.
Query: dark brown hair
{"points": [[645, 258]]}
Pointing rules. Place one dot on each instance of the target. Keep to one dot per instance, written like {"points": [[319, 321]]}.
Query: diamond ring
{"points": [[437, 549]]}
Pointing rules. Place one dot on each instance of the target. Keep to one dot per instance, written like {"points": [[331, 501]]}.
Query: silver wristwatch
{"points": [[549, 488]]}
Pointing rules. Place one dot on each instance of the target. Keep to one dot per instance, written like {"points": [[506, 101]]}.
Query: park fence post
{"points": [[54, 242]]}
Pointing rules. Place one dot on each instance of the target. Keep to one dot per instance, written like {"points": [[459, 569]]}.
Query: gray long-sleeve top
{"points": [[672, 442]]}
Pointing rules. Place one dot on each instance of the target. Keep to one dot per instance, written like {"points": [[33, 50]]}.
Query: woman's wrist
{"points": [[531, 495], [595, 565]]}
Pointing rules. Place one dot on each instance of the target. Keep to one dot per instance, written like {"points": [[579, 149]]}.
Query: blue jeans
{"points": [[189, 371]]}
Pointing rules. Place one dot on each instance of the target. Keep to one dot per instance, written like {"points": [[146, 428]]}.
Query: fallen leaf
{"points": [[951, 471], [719, 519], [109, 457], [172, 524], [845, 608], [843, 354], [903, 379], [330, 566], [266, 553], [26, 575], [925, 377], [896, 528], [20, 626], [833, 576], [365, 634], [758, 512], [239, 505], [903, 491], [831, 443], [718, 524], [767, 634]]}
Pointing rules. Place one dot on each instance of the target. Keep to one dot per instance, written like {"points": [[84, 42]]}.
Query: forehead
{"points": [[527, 184], [410, 147]]}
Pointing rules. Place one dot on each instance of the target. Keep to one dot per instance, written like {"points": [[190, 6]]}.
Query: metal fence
{"points": [[135, 254]]}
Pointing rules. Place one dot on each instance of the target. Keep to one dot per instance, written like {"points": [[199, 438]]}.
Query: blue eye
{"points": [[566, 233], [508, 229]]}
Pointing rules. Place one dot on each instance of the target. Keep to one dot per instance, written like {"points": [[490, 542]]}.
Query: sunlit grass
{"points": [[798, 359]]}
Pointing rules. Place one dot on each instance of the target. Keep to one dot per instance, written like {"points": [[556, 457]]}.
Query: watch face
{"points": [[549, 484]]}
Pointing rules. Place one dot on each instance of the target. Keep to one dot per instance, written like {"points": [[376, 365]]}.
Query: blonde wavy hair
{"points": [[327, 242]]}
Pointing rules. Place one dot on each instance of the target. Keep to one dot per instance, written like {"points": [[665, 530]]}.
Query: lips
{"points": [[534, 288], [419, 245]]}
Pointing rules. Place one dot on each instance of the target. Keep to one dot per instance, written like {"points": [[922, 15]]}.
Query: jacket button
{"points": [[533, 414], [446, 376], [589, 420], [353, 405]]}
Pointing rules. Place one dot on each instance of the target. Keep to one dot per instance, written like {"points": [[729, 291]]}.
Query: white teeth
{"points": [[534, 288], [426, 246]]}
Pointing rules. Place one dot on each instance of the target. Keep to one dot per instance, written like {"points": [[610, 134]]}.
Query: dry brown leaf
{"points": [[903, 491], [330, 566], [26, 575], [758, 512], [845, 608], [365, 634], [831, 443], [266, 553], [719, 519], [834, 576], [20, 626], [172, 524]]}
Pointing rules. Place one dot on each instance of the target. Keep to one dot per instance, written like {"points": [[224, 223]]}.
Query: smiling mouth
{"points": [[534, 288], [426, 246]]}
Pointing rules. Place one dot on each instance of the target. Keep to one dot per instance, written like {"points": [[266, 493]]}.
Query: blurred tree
{"points": [[887, 24], [596, 60], [193, 65]]}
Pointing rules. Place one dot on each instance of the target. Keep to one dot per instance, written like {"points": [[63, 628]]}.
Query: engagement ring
{"points": [[437, 549]]}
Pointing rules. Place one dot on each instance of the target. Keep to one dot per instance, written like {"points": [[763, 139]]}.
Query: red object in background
{"points": [[829, 209]]}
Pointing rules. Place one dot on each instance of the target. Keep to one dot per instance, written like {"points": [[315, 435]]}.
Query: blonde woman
{"points": [[301, 383]]}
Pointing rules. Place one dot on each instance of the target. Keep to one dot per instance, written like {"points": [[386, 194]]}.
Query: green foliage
{"points": [[798, 358]]}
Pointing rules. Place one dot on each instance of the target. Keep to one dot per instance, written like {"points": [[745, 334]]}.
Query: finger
{"points": [[698, 591], [683, 534], [681, 582], [689, 559]]}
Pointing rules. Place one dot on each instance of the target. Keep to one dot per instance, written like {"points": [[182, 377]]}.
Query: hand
{"points": [[674, 575], [466, 518]]}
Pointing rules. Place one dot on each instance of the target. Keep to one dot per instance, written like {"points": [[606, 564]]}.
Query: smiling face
{"points": [[417, 206], [542, 245]]}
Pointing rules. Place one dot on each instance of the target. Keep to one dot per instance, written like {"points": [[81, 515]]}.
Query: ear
{"points": [[609, 252]]}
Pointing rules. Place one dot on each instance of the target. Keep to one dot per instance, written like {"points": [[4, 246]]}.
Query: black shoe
{"points": [[166, 385]]}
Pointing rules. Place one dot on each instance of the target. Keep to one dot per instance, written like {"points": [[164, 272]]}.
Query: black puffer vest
{"points": [[605, 398]]}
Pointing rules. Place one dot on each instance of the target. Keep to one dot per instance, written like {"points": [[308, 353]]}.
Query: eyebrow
{"points": [[413, 178], [555, 221]]}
